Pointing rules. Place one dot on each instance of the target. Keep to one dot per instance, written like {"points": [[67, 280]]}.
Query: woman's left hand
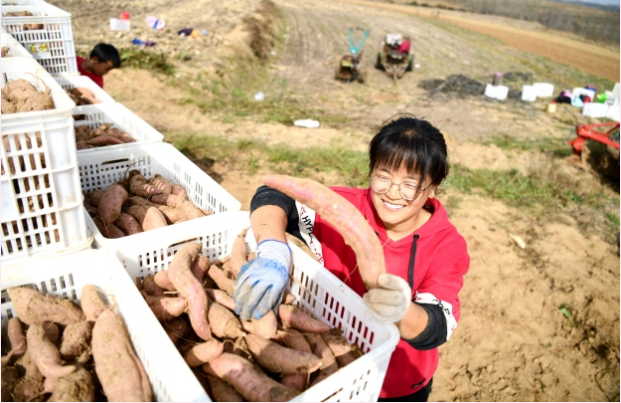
{"points": [[390, 302]]}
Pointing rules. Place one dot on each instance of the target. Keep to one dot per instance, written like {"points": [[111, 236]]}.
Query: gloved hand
{"points": [[389, 302], [261, 282]]}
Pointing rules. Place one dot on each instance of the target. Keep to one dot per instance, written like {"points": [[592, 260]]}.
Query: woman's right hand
{"points": [[261, 282]]}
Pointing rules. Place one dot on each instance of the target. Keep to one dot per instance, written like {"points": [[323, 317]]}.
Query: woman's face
{"points": [[391, 207]]}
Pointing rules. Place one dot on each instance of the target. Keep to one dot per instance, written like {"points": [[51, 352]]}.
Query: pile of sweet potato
{"points": [[104, 135], [82, 96], [22, 96], [272, 359], [26, 27], [62, 352], [134, 205]]}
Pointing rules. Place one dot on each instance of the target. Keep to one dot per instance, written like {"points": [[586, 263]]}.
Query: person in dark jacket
{"points": [[426, 258]]}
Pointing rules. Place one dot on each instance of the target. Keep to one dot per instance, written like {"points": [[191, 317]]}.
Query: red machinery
{"points": [[595, 132]]}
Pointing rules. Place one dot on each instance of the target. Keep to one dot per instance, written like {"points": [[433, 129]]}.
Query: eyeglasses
{"points": [[408, 190]]}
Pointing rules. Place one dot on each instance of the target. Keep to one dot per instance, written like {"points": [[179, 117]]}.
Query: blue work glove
{"points": [[261, 282]]}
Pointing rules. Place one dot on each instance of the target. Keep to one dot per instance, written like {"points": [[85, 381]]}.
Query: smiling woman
{"points": [[425, 257]]}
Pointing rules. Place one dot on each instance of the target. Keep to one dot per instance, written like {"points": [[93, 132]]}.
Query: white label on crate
{"points": [[306, 224]]}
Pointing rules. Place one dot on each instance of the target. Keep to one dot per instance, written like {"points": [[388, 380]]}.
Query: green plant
{"points": [[146, 59]]}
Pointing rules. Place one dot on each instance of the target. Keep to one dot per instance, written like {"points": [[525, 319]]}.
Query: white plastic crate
{"points": [[15, 48], [67, 82], [121, 118], [317, 291], [101, 168], [52, 45], [41, 199], [65, 276], [24, 3]]}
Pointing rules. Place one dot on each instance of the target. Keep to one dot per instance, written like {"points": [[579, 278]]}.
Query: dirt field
{"points": [[538, 324]]}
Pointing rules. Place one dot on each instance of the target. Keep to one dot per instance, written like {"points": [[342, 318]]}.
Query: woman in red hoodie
{"points": [[426, 258]]}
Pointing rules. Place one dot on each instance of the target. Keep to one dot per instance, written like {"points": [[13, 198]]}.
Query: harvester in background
{"points": [[395, 55], [349, 68]]}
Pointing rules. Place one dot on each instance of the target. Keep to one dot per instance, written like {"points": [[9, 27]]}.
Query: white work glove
{"points": [[389, 302]]}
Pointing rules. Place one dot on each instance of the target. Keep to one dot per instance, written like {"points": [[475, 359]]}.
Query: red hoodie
{"points": [[441, 261]]}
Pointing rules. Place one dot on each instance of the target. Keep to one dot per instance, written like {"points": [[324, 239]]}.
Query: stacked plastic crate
{"points": [[44, 179]]}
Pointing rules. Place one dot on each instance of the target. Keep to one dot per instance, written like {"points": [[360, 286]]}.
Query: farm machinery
{"points": [[395, 55], [606, 136], [349, 67]]}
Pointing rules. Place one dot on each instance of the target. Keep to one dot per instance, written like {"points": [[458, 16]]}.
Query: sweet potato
{"points": [[151, 288], [222, 298], [223, 322], [190, 288], [178, 327], [278, 359], [267, 326], [179, 191], [203, 352], [140, 201], [219, 277], [222, 391], [343, 216], [189, 209], [161, 183], [75, 387], [34, 308], [339, 346], [150, 218], [128, 224], [100, 141], [110, 231], [95, 197], [295, 381], [168, 308], [200, 267], [249, 381], [162, 280], [320, 349], [173, 215], [76, 341], [293, 339], [52, 332], [110, 203], [292, 316], [138, 185], [45, 355], [238, 253], [16, 337], [91, 302], [29, 386], [119, 370]]}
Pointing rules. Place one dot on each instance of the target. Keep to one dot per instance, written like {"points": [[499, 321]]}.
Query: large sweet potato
{"points": [[75, 387], [222, 391], [119, 370], [190, 288], [91, 302], [138, 185], [203, 352], [76, 340], [294, 317], [223, 322], [343, 216], [45, 355], [34, 308], [111, 202], [248, 380], [328, 361], [276, 358]]}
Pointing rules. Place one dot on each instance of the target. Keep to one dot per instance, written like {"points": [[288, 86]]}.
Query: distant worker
{"points": [[103, 58]]}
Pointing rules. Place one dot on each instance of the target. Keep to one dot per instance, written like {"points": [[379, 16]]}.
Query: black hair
{"points": [[406, 141], [106, 53]]}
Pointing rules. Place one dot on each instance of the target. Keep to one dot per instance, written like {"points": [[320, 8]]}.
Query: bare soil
{"points": [[514, 342]]}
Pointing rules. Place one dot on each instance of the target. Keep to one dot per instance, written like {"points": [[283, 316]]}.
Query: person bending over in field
{"points": [[426, 258], [103, 58]]}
